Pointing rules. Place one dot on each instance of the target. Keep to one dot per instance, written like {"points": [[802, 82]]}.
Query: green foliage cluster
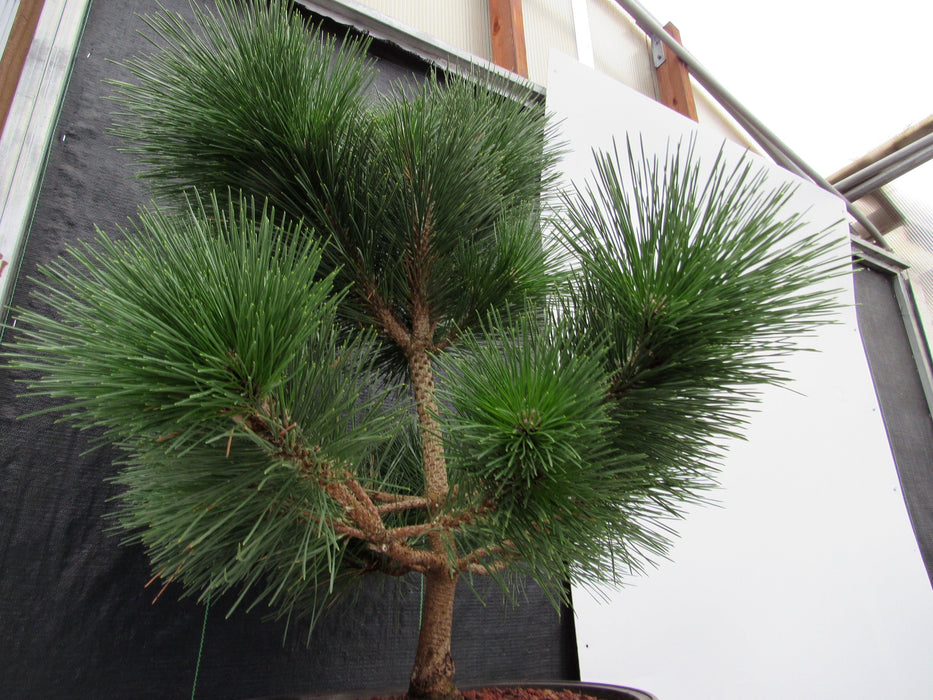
{"points": [[262, 369], [529, 428], [250, 100], [172, 338]]}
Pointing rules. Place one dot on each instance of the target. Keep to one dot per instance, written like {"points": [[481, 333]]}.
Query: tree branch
{"points": [[387, 319], [487, 569], [501, 558], [401, 503], [408, 531], [341, 528], [363, 497], [339, 483]]}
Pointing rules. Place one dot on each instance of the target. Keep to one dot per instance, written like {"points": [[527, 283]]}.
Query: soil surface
{"points": [[524, 694], [511, 694]]}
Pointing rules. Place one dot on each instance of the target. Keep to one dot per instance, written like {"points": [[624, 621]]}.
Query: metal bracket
{"points": [[657, 51]]}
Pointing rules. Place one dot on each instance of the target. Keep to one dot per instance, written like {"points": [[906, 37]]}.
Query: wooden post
{"points": [[508, 35], [674, 80], [14, 54]]}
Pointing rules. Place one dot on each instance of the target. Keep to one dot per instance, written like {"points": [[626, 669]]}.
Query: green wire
{"points": [[421, 602], [197, 668]]}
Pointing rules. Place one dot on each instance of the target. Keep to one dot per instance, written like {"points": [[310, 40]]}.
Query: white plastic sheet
{"points": [[807, 581]]}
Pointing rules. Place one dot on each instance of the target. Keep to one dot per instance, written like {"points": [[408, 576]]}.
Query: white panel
{"points": [[807, 581], [548, 26]]}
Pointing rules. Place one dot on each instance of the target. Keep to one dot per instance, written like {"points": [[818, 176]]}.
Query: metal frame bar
{"points": [[24, 144], [906, 300], [883, 261], [899, 164], [878, 258], [922, 146]]}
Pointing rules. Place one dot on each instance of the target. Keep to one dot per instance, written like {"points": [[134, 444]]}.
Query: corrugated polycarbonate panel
{"points": [[621, 50], [461, 24], [712, 116], [548, 25]]}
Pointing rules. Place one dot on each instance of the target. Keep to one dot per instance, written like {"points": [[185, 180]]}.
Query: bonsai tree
{"points": [[350, 341]]}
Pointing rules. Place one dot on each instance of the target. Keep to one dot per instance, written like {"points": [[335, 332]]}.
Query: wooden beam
{"points": [[508, 35], [674, 80], [14, 54]]}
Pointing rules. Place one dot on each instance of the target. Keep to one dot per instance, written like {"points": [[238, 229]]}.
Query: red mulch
{"points": [[512, 694], [524, 694]]}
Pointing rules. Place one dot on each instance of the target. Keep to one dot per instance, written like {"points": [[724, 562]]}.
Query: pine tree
{"points": [[352, 342]]}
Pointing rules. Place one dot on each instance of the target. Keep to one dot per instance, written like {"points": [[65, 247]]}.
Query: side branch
{"points": [[396, 503], [487, 569], [384, 316], [483, 561], [365, 520], [342, 529], [362, 496]]}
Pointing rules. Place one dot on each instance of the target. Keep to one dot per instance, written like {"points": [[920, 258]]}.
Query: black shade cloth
{"points": [[75, 618]]}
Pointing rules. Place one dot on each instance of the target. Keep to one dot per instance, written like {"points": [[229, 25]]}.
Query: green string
{"points": [[421, 602], [197, 668]]}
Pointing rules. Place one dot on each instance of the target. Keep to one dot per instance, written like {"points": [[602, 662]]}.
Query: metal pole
{"points": [[764, 136], [912, 153], [892, 173]]}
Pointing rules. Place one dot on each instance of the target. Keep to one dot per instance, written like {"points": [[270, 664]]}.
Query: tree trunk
{"points": [[432, 677]]}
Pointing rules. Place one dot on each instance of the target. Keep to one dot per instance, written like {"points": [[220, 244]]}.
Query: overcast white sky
{"points": [[832, 79]]}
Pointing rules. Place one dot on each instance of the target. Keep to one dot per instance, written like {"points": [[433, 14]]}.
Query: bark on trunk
{"points": [[432, 676], [432, 447]]}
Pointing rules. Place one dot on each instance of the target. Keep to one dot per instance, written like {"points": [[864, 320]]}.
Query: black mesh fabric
{"points": [[75, 618]]}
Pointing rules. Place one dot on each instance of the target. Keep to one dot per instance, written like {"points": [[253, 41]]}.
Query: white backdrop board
{"points": [[806, 580]]}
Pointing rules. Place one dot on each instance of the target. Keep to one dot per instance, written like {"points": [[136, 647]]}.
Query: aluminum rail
{"points": [[890, 174], [886, 169], [768, 141]]}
